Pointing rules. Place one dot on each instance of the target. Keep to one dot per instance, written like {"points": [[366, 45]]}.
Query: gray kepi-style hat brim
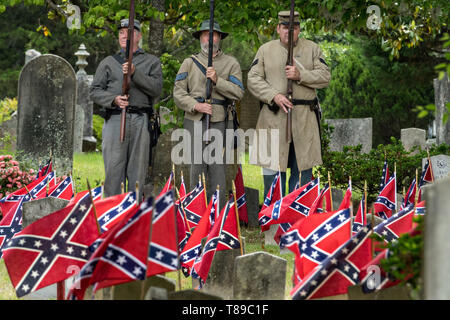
{"points": [[205, 27]]}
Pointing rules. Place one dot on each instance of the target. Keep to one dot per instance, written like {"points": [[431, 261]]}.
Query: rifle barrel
{"points": [[290, 62], [210, 58], [127, 76]]}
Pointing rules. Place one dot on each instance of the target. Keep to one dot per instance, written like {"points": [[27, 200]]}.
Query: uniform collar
{"points": [[205, 54], [286, 46]]}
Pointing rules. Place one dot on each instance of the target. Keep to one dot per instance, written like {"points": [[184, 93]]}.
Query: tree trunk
{"points": [[156, 33]]}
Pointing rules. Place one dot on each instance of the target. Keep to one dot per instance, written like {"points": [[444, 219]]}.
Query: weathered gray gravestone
{"points": [[441, 97], [440, 165], [220, 276], [192, 294], [259, 276], [252, 199], [46, 107], [133, 290], [78, 129], [436, 245], [351, 132], [411, 137], [37, 209]]}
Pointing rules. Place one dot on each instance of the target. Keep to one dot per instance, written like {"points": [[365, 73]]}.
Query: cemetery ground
{"points": [[90, 166]]}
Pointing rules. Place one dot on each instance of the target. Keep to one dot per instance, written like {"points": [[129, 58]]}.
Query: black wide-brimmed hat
{"points": [[124, 24], [205, 27]]}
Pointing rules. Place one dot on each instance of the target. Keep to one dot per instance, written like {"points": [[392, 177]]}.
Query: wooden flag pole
{"points": [[176, 231], [431, 167], [204, 189], [372, 222], [365, 203], [28, 191], [182, 209], [351, 205], [331, 193], [148, 250], [122, 187], [395, 174], [138, 200], [93, 207], [416, 195], [237, 217]]}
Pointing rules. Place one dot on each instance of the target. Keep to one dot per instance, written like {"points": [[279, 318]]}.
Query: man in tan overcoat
{"points": [[189, 95], [267, 80]]}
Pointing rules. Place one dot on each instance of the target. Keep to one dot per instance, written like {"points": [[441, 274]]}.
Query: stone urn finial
{"points": [[82, 54]]}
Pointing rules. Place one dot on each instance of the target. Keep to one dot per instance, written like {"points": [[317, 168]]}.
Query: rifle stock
{"points": [[290, 62], [127, 76]]}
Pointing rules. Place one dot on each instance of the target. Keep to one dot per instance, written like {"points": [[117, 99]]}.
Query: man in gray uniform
{"points": [[127, 160], [189, 95]]}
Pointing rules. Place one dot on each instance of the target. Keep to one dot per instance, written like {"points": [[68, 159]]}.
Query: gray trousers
{"points": [[213, 167], [125, 161]]}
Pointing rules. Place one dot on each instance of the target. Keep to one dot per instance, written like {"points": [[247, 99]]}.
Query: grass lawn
{"points": [[90, 166]]}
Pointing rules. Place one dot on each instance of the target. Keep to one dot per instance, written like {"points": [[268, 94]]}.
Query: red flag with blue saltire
{"points": [[194, 245], [289, 209], [63, 190], [183, 228], [347, 201], [275, 192], [316, 237], [240, 195], [410, 196], [399, 223], [194, 205], [384, 175], [182, 188], [361, 216], [11, 223], [44, 170], [373, 277], [97, 194], [425, 178], [167, 186], [112, 210], [34, 190], [421, 208], [386, 202], [163, 252], [40, 254], [335, 274], [306, 203], [223, 236], [120, 254]]}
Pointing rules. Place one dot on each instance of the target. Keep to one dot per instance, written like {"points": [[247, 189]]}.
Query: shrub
{"points": [[7, 108], [13, 176]]}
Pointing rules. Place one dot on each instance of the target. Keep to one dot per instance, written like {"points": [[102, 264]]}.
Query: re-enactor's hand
{"points": [[121, 101], [282, 102], [292, 73], [212, 74], [125, 68], [203, 107]]}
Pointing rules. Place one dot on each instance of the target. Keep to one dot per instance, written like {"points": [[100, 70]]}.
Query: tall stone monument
{"points": [[441, 97], [84, 81], [46, 110]]}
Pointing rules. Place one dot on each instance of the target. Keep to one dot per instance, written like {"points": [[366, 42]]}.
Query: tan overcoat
{"points": [[266, 79], [190, 83]]}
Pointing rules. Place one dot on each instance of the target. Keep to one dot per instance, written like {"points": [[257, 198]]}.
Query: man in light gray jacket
{"points": [[126, 161]]}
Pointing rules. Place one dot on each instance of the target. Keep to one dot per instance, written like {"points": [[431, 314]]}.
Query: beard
{"points": [[205, 47]]}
